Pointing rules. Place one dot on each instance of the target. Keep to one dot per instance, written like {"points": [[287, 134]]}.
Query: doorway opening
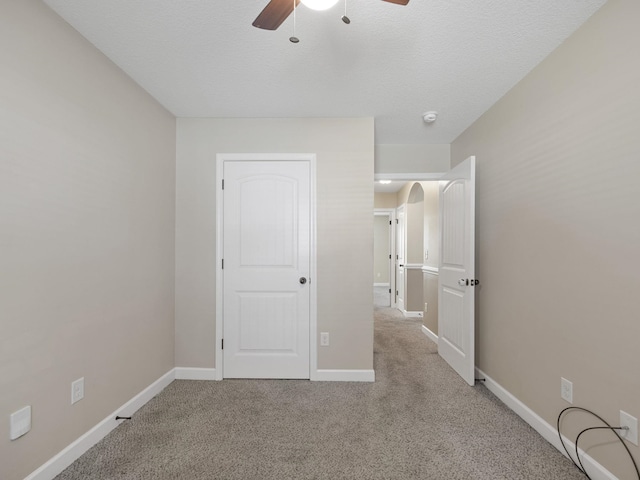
{"points": [[383, 251], [415, 257]]}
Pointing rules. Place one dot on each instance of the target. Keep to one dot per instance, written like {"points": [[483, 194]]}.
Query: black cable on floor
{"points": [[580, 466]]}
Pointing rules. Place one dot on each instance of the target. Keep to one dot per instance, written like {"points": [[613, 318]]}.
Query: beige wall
{"points": [[432, 247], [558, 221], [430, 296], [344, 149], [431, 224], [412, 158], [385, 200], [381, 248], [87, 178], [414, 225]]}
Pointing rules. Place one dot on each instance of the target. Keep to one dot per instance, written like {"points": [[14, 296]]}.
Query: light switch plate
{"points": [[20, 422]]}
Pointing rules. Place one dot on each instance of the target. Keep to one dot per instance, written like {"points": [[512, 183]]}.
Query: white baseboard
{"points": [[408, 314], [432, 336], [188, 373], [381, 285], [72, 452], [345, 376], [595, 470]]}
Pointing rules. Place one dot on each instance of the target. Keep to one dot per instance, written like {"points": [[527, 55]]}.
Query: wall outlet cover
{"points": [[627, 420], [566, 390], [20, 422], [77, 390]]}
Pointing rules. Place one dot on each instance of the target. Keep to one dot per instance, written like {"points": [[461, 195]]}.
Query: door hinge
{"points": [[389, 256], [223, 264], [223, 344], [389, 290], [223, 183], [397, 221], [389, 222]]}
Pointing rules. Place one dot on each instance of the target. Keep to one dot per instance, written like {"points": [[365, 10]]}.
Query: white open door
{"points": [[400, 252], [266, 245], [456, 284]]}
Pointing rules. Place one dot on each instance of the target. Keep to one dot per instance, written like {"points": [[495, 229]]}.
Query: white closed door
{"points": [[400, 253], [266, 253], [456, 280]]}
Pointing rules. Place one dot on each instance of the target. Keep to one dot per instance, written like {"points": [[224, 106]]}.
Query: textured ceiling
{"points": [[202, 58]]}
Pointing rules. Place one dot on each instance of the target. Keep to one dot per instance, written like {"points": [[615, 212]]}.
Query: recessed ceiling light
{"points": [[385, 182]]}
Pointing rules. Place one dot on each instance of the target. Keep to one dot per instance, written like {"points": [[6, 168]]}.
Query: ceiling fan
{"points": [[277, 12]]}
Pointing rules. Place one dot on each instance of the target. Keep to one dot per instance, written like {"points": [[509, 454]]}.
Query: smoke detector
{"points": [[430, 117]]}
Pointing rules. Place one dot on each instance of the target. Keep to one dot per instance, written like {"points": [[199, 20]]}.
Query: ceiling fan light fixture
{"points": [[319, 4]]}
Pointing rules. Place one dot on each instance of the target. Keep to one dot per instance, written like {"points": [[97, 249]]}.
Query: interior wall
{"points": [[344, 149], [432, 254], [87, 179], [385, 200], [434, 158], [381, 246], [558, 229], [414, 229]]}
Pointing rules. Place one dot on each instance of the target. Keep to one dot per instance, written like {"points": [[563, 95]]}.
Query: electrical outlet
{"points": [[77, 390], [627, 420], [566, 390], [324, 339], [19, 422]]}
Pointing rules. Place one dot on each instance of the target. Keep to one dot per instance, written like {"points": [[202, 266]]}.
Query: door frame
{"points": [[391, 214], [313, 293], [400, 244]]}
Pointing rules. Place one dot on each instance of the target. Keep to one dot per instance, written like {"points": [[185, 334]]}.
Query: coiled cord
{"points": [[579, 464]]}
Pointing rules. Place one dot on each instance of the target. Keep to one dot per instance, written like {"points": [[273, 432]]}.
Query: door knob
{"points": [[463, 281], [303, 280]]}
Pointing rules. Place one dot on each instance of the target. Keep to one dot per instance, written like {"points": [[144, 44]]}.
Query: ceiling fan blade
{"points": [[274, 14], [398, 2]]}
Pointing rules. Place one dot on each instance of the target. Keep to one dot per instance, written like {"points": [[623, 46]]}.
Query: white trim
{"points": [[313, 271], [424, 177], [74, 450], [416, 314], [430, 335], [313, 293], [595, 470], [430, 270], [345, 376], [219, 256], [413, 266], [191, 373], [382, 284]]}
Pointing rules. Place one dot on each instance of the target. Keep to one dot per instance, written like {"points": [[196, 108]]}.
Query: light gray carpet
{"points": [[419, 420]]}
